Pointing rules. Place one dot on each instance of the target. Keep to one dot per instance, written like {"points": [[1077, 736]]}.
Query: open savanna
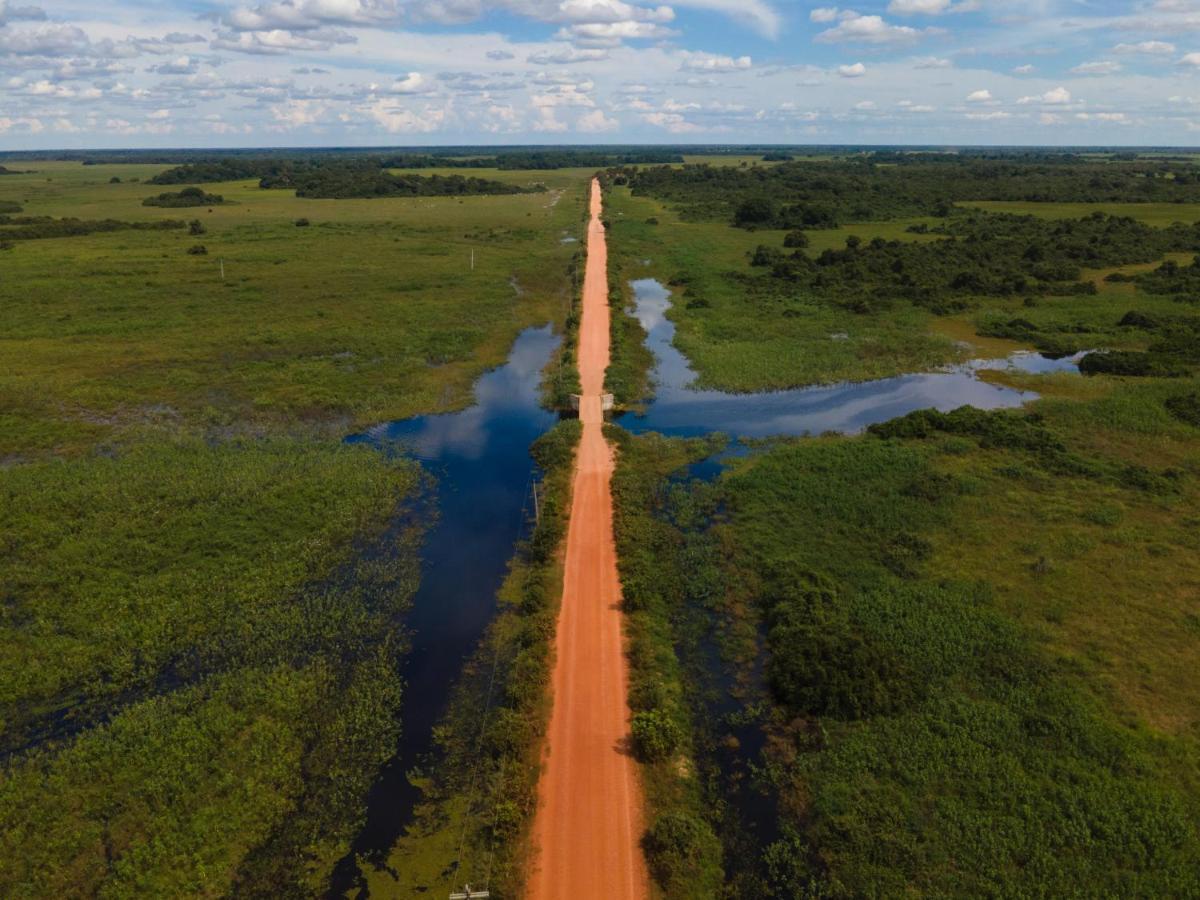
{"points": [[204, 589], [736, 342], [1156, 214], [370, 312]]}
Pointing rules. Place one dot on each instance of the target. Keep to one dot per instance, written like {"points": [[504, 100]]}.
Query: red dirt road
{"points": [[588, 821]]}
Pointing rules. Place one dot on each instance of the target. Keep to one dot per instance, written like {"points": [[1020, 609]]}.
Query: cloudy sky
{"points": [[169, 73]]}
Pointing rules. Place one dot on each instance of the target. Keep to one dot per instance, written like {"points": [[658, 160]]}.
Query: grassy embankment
{"points": [[203, 666]]}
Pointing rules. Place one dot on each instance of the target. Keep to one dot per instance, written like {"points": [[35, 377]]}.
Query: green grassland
{"points": [[372, 312], [203, 589], [743, 330], [190, 678], [948, 658]]}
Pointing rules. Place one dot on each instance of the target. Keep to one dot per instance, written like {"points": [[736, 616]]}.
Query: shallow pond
{"points": [[482, 470], [678, 409]]}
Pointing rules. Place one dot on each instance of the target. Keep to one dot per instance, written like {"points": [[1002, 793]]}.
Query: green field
{"points": [[202, 590], [956, 653], [370, 313]]}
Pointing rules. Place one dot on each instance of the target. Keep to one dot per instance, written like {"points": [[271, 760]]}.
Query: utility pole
{"points": [[472, 259], [222, 269], [537, 509]]}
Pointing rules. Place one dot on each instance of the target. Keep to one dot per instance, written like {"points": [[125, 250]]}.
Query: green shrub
{"points": [[1184, 407], [1132, 362], [190, 196], [683, 855], [828, 669], [655, 735], [196, 227]]}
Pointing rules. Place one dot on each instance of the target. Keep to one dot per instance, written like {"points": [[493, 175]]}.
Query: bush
{"points": [[756, 211], [190, 196], [1185, 407], [196, 227], [765, 256], [652, 221], [655, 735], [197, 250], [1131, 362], [114, 180], [683, 855], [826, 669], [302, 222], [796, 239]]}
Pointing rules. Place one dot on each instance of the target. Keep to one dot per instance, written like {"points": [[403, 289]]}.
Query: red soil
{"points": [[588, 821]]}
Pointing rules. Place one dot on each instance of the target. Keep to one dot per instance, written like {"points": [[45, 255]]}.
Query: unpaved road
{"points": [[588, 821]]}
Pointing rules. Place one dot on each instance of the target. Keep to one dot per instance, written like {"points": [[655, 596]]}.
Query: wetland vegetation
{"points": [[946, 657], [949, 656]]}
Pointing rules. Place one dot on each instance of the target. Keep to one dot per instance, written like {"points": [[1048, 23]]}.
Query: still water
{"points": [[679, 409], [481, 468]]}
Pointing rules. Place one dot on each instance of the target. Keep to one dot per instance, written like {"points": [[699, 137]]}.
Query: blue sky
{"points": [[422, 72]]}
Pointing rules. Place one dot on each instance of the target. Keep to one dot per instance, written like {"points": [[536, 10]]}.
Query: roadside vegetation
{"points": [[948, 657]]}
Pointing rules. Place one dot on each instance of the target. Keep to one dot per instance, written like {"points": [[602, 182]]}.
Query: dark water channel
{"points": [[681, 410], [482, 471]]}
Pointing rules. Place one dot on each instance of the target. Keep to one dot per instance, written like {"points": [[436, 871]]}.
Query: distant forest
{"points": [[274, 168], [824, 194]]}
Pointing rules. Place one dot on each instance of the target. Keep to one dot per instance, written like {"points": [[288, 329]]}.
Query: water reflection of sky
{"points": [[480, 459], [681, 410]]}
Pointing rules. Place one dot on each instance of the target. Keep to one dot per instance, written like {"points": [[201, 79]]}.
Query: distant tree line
{"points": [[30, 228], [983, 254], [827, 193], [281, 167], [347, 183]]}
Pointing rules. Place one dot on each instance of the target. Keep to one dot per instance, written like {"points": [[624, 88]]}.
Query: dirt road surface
{"points": [[588, 821]]}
